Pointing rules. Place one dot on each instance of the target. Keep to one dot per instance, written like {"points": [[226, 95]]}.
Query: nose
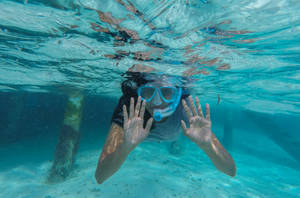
{"points": [[156, 100]]}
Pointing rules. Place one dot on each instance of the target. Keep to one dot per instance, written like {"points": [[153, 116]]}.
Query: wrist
{"points": [[206, 143], [205, 146], [127, 147]]}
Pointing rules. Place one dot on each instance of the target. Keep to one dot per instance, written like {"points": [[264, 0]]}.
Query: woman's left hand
{"points": [[199, 130]]}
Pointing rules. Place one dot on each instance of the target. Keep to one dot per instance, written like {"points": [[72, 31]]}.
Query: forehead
{"points": [[159, 84]]}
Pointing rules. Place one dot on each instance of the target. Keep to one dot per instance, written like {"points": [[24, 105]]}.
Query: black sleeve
{"points": [[118, 117]]}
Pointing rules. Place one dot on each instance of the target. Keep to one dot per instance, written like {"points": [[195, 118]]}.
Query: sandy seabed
{"points": [[150, 171]]}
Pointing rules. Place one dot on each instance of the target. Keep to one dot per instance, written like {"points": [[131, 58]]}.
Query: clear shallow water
{"points": [[247, 53]]}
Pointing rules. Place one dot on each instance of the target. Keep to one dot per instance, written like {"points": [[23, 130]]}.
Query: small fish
{"points": [[219, 99]]}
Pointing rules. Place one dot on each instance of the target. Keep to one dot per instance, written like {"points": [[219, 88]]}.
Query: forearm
{"points": [[113, 154], [110, 164], [220, 157], [122, 140]]}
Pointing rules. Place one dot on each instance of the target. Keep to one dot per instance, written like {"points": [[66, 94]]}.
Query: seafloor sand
{"points": [[149, 172]]}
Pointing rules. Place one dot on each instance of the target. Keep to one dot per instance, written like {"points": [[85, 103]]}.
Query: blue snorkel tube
{"points": [[159, 114]]}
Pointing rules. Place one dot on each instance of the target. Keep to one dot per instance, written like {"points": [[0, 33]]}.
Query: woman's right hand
{"points": [[134, 133]]}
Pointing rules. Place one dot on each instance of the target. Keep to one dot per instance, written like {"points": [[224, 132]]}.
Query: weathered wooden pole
{"points": [[68, 143]]}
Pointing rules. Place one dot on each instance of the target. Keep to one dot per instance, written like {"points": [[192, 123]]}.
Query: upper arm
{"points": [[114, 138]]}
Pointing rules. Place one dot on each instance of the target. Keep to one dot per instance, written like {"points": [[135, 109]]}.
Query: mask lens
{"points": [[147, 92], [168, 93]]}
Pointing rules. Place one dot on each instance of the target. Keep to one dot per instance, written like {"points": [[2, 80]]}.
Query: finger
{"points": [[148, 125], [187, 109], [137, 107], [207, 114], [143, 109], [125, 114], [192, 105], [183, 126], [199, 107], [131, 110]]}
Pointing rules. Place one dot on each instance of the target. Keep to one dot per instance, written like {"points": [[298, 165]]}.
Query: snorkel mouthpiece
{"points": [[157, 115]]}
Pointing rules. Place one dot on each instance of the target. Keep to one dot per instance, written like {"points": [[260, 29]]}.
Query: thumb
{"points": [[183, 126], [148, 125]]}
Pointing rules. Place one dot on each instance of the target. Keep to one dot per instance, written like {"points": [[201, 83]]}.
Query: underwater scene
{"points": [[149, 99]]}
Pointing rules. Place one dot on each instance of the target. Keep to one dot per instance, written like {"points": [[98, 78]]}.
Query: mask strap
{"points": [[176, 102]]}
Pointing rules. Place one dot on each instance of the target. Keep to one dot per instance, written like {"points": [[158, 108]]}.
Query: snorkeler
{"points": [[158, 106]]}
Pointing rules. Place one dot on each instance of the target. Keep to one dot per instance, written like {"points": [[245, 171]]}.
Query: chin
{"points": [[163, 120]]}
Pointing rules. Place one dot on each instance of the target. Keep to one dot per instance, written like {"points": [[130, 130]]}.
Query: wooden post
{"points": [[68, 142]]}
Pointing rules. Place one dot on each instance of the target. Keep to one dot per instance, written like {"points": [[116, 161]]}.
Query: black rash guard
{"points": [[168, 130]]}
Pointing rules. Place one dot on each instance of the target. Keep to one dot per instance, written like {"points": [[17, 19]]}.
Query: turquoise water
{"points": [[241, 57]]}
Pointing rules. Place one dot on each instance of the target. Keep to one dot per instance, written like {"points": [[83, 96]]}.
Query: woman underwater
{"points": [[158, 106]]}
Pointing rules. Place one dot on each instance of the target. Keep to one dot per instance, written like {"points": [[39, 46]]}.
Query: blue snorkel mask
{"points": [[168, 94]]}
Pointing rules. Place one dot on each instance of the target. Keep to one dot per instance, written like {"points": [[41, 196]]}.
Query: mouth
{"points": [[158, 107]]}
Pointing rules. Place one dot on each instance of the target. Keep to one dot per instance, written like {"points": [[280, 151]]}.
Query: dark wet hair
{"points": [[133, 81]]}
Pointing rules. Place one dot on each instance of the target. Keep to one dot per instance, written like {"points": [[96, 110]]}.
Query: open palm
{"points": [[134, 133], [199, 130]]}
